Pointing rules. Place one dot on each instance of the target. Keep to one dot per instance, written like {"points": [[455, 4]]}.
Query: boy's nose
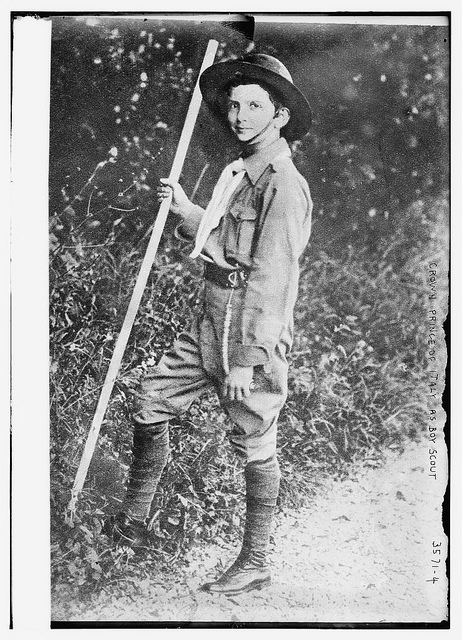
{"points": [[241, 114]]}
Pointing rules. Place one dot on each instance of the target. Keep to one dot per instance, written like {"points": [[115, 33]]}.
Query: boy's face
{"points": [[251, 114]]}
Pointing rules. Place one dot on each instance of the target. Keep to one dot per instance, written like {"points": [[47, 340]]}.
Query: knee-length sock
{"points": [[262, 489], [150, 455]]}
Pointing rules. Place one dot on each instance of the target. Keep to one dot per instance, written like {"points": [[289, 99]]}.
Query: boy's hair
{"points": [[275, 97]]}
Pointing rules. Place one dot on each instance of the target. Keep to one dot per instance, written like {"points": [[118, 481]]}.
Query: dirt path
{"points": [[361, 553]]}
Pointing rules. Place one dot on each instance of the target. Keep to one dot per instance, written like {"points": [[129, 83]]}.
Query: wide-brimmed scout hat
{"points": [[264, 68]]}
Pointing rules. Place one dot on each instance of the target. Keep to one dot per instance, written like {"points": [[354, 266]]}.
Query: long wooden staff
{"points": [[140, 284]]}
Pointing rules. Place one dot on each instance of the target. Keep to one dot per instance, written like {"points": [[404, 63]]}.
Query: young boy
{"points": [[250, 238]]}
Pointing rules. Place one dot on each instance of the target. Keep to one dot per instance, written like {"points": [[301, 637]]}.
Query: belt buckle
{"points": [[233, 278]]}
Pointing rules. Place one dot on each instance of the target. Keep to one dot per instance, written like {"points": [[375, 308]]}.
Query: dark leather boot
{"points": [[125, 531], [249, 571]]}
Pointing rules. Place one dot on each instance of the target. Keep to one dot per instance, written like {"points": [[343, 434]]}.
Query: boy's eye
{"points": [[255, 105], [232, 105]]}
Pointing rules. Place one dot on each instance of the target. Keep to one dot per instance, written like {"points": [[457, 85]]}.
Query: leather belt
{"points": [[226, 278]]}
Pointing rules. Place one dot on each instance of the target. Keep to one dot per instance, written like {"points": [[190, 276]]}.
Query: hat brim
{"points": [[216, 77]]}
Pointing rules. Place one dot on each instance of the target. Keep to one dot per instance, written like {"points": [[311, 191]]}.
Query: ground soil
{"points": [[363, 551]]}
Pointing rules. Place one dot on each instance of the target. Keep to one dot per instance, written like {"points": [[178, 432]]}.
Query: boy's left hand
{"points": [[236, 385]]}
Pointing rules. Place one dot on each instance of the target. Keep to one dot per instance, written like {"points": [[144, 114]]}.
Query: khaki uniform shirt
{"points": [[265, 229]]}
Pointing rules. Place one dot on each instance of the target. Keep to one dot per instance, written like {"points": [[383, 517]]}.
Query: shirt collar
{"points": [[256, 163]]}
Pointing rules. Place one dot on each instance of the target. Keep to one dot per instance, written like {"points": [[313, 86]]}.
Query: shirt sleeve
{"points": [[187, 229], [273, 280]]}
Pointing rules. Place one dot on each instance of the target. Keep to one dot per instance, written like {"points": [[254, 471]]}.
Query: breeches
{"points": [[181, 376]]}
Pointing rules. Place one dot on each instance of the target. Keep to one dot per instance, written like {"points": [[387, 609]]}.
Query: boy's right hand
{"points": [[180, 201]]}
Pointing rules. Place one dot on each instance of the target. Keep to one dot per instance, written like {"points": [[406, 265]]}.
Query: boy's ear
{"points": [[282, 117]]}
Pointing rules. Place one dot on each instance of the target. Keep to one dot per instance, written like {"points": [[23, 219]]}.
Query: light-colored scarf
{"points": [[230, 177]]}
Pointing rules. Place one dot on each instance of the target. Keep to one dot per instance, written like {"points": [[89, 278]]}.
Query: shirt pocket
{"points": [[243, 219]]}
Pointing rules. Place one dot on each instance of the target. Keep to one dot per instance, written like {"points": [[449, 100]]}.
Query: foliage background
{"points": [[376, 160]]}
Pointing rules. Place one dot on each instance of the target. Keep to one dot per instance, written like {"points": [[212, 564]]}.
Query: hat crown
{"points": [[270, 63]]}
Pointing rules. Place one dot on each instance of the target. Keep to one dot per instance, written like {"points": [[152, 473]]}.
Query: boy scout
{"points": [[250, 238]]}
